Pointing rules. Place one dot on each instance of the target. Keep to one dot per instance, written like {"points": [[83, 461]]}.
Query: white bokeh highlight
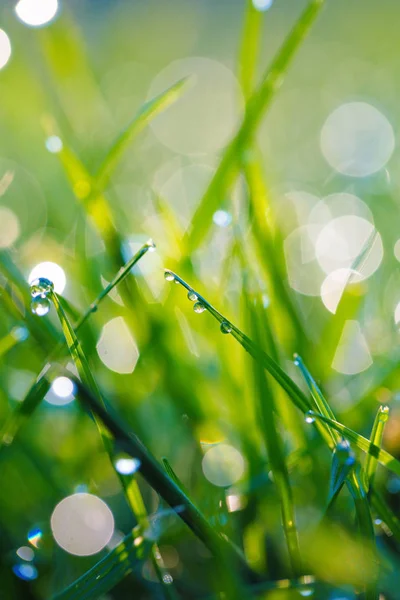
{"points": [[347, 239], [116, 347], [352, 354], [357, 139], [50, 271], [204, 118], [223, 465], [5, 49], [36, 12], [10, 228], [82, 524]]}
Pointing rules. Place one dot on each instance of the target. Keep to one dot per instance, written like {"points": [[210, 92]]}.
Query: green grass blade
{"points": [[256, 107], [100, 579], [293, 391], [119, 277], [161, 482], [383, 457], [376, 438], [24, 410], [366, 529], [320, 402], [249, 48], [343, 462], [267, 410], [145, 115], [16, 336]]}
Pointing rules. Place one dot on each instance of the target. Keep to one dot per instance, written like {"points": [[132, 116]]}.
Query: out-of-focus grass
{"points": [[294, 505]]}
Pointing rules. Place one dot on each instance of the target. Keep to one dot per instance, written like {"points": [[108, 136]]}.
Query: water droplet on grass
{"points": [[169, 276], [309, 418], [199, 308], [306, 592], [25, 572], [151, 246], [126, 465], [225, 327], [192, 296], [41, 287], [40, 306]]}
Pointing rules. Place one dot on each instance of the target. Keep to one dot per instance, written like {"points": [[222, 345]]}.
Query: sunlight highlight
{"points": [[357, 139], [82, 524], [36, 12], [5, 48], [50, 271], [116, 347], [223, 465]]}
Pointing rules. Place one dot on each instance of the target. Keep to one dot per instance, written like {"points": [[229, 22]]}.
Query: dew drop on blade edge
{"points": [[168, 276], [40, 306], [41, 287], [225, 327], [192, 296], [309, 418], [199, 308]]}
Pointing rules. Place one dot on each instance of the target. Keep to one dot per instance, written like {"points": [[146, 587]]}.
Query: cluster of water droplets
{"points": [[198, 306], [41, 288]]}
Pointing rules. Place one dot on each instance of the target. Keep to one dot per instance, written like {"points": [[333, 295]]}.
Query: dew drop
{"points": [[151, 246], [169, 276], [126, 465], [192, 296], [40, 306], [167, 578], [41, 287], [225, 327], [306, 592], [309, 418], [199, 308]]}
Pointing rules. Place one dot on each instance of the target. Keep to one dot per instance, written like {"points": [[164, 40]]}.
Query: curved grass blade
{"points": [[383, 457], [293, 391], [147, 113], [100, 579], [376, 438], [256, 107]]}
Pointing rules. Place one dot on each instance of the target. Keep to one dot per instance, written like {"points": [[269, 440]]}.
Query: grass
{"points": [[305, 510]]}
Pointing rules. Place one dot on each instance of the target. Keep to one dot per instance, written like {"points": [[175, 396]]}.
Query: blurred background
{"points": [[73, 74]]}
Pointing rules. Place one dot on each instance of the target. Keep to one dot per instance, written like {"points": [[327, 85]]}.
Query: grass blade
{"points": [[383, 457], [294, 392], [146, 114], [256, 107], [159, 480], [109, 571], [267, 411], [24, 410], [376, 438]]}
